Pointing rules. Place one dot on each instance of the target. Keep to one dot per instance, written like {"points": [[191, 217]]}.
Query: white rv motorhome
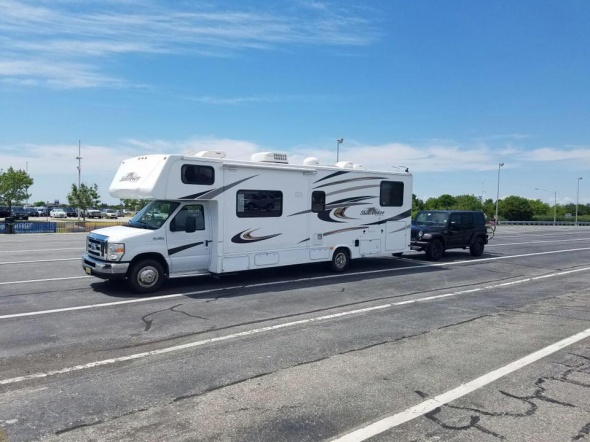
{"points": [[211, 215]]}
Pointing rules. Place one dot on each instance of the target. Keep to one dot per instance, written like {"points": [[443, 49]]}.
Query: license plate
{"points": [[88, 270]]}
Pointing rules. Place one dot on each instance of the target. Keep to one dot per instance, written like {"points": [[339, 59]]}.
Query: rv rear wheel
{"points": [[146, 276], [340, 260]]}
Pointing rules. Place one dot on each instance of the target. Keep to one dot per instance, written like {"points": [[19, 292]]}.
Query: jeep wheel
{"points": [[435, 250], [146, 276], [477, 247], [340, 261]]}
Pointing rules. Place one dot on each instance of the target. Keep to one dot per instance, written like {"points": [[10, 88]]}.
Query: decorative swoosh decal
{"points": [[350, 189], [332, 175], [352, 180], [210, 194], [181, 248], [339, 213], [402, 215], [245, 237], [349, 229]]}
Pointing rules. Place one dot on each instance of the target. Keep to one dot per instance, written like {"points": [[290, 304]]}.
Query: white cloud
{"points": [[55, 37], [54, 166], [577, 156]]}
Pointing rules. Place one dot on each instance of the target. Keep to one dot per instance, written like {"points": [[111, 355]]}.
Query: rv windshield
{"points": [[153, 215]]}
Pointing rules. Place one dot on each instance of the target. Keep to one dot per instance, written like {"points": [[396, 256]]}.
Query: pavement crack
{"points": [[149, 318]]}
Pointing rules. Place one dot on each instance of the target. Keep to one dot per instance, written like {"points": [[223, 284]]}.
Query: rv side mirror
{"points": [[190, 225]]}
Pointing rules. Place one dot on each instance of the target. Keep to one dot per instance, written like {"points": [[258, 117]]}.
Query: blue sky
{"points": [[449, 89]]}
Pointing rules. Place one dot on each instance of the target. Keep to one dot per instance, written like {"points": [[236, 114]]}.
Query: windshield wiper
{"points": [[140, 225]]}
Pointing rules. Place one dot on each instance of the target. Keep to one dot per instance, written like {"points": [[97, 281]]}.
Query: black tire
{"points": [[340, 261], [477, 247], [435, 250], [146, 276], [397, 255]]}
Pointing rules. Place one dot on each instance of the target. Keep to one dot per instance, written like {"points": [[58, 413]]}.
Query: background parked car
{"points": [[58, 213], [20, 213], [32, 211], [93, 213], [42, 211], [70, 211], [4, 212], [109, 213]]}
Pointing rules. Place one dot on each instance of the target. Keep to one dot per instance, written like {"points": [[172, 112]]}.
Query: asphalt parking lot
{"points": [[491, 348]]}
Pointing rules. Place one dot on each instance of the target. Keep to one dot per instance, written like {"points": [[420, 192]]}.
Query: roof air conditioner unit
{"points": [[344, 164], [270, 157], [311, 161], [210, 154]]}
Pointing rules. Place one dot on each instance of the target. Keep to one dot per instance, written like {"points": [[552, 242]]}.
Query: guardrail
{"points": [[543, 223]]}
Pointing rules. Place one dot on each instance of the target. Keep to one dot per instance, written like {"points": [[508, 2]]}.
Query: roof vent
{"points": [[344, 164], [358, 167], [270, 157], [210, 154], [311, 161]]}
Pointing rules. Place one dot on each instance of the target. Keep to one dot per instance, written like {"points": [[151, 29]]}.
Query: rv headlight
{"points": [[115, 251]]}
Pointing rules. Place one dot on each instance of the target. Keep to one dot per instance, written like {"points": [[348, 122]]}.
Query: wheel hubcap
{"points": [[147, 276]]}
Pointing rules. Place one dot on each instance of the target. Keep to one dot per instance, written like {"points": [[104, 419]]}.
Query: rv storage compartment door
{"points": [[395, 236], [370, 246]]}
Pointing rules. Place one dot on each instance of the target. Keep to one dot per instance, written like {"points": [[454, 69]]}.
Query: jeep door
{"points": [[189, 250], [458, 229]]}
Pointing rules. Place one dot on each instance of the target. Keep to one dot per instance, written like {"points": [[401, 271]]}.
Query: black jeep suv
{"points": [[435, 231]]}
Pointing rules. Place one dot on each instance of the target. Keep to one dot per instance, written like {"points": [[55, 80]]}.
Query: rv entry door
{"points": [[189, 239]]}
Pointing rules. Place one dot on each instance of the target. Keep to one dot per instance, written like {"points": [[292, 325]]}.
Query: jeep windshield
{"points": [[431, 219], [153, 215]]}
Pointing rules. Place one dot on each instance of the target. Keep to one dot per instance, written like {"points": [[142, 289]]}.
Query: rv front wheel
{"points": [[340, 260], [146, 276]]}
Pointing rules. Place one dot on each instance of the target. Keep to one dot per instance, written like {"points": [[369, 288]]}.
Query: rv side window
{"points": [[318, 201], [193, 174], [178, 223], [392, 193], [259, 203]]}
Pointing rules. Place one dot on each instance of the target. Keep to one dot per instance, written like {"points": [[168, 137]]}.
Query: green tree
{"points": [[467, 202], [14, 186], [84, 197], [443, 202], [516, 208], [540, 208], [489, 208]]}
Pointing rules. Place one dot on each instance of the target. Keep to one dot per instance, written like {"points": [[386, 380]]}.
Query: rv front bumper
{"points": [[103, 269]]}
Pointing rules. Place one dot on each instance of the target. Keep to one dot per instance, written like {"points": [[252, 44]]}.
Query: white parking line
{"points": [[290, 281], [264, 330], [43, 250], [464, 389], [40, 260]]}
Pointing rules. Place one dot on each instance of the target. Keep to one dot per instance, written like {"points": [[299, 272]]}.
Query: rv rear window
{"points": [[392, 194], [193, 174], [259, 203]]}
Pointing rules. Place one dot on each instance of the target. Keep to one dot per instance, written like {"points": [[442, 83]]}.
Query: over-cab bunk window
{"points": [[259, 203], [195, 174], [392, 194]]}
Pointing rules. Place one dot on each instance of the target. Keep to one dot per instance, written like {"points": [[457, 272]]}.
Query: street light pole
{"points": [[339, 141], [79, 158], [578, 198], [498, 193], [554, 203]]}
